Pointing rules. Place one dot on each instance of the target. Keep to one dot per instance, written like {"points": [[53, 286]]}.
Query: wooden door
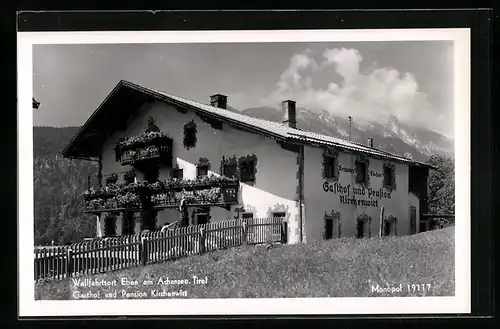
{"points": [[328, 228], [413, 219]]}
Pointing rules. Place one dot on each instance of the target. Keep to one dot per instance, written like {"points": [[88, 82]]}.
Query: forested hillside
{"points": [[58, 185]]}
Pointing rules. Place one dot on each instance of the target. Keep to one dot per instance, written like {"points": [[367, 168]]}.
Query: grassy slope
{"points": [[338, 268]]}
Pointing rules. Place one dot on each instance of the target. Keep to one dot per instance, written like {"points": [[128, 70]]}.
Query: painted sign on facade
{"points": [[357, 196]]}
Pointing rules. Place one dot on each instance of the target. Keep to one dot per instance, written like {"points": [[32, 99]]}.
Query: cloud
{"points": [[374, 94]]}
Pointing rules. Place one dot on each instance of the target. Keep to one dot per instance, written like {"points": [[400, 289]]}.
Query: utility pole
{"points": [[350, 127]]}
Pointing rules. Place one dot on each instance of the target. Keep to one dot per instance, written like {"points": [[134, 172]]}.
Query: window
{"points": [[247, 215], [202, 167], [202, 170], [361, 172], [129, 177], [201, 218], [177, 173], [151, 173], [387, 228], [247, 171], [276, 229], [328, 228], [110, 226], [112, 179], [190, 135], [332, 225], [230, 170], [128, 223], [360, 229], [279, 214], [330, 165], [389, 176]]}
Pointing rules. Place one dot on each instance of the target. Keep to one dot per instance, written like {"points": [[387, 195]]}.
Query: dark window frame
{"points": [[280, 213], [247, 215], [190, 132], [200, 168], [110, 226], [175, 173], [247, 176], [203, 164], [360, 229], [252, 175], [233, 165], [389, 179], [330, 164], [365, 164], [129, 177]]}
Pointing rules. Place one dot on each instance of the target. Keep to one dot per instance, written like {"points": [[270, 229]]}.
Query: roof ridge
{"points": [[214, 107], [288, 131]]}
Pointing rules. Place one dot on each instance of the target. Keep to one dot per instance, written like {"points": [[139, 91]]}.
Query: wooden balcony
{"points": [[209, 191], [222, 194], [116, 198], [140, 149]]}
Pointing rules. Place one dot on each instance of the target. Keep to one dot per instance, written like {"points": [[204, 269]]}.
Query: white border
{"points": [[293, 306]]}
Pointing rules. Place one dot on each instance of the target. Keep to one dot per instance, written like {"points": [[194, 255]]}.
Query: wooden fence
{"points": [[108, 254]]}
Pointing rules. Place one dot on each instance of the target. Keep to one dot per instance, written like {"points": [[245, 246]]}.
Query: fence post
{"points": [[245, 231], [69, 262], [284, 232], [381, 228], [143, 251], [202, 241]]}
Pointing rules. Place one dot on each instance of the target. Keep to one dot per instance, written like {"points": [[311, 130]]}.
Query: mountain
{"points": [[394, 137]]}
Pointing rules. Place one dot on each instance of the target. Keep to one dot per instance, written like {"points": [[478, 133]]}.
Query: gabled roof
{"points": [[127, 97]]}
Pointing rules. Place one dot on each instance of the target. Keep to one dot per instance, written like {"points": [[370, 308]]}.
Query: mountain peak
{"points": [[391, 136]]}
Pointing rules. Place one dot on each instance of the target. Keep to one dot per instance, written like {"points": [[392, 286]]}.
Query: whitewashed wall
{"points": [[318, 201], [276, 183]]}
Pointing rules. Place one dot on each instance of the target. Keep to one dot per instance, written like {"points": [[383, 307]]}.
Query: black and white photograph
{"points": [[180, 174]]}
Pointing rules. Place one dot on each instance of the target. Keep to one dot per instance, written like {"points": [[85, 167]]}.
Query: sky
{"points": [[374, 81]]}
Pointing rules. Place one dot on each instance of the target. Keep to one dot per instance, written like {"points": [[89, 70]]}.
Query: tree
{"points": [[441, 196]]}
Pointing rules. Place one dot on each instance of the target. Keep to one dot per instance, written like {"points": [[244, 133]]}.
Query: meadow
{"points": [[420, 264]]}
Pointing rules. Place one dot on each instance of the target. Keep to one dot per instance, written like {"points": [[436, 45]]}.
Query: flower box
{"points": [[145, 147], [230, 193]]}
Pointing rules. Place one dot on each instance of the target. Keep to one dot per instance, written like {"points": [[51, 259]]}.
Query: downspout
{"points": [[301, 191]]}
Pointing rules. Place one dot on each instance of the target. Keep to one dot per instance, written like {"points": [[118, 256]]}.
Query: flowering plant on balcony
{"points": [[113, 190], [205, 181], [212, 195], [142, 138], [148, 152], [127, 200], [206, 196]]}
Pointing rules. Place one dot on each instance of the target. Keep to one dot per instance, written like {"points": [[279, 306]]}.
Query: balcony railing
{"points": [[116, 197], [145, 147], [205, 191]]}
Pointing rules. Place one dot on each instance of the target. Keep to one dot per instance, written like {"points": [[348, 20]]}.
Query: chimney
{"points": [[289, 114], [370, 142], [219, 101]]}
